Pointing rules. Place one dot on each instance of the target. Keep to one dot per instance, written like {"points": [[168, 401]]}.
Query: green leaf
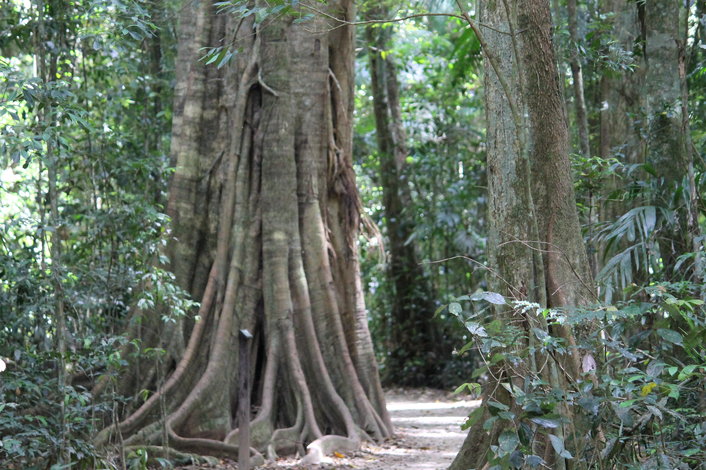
{"points": [[534, 461], [687, 371], [507, 442], [590, 404], [514, 390], [303, 19], [465, 348], [673, 391], [224, 59], [492, 297], [506, 415], [558, 444], [655, 411], [525, 433], [476, 329], [439, 310], [497, 405], [545, 422], [455, 309], [655, 368], [670, 336], [479, 371], [473, 418], [516, 459], [649, 169], [471, 386], [488, 424]]}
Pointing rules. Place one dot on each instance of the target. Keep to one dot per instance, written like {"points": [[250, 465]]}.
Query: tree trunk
{"points": [[619, 93], [669, 149], [582, 124], [644, 120], [47, 65], [414, 340], [265, 215], [577, 78], [535, 245]]}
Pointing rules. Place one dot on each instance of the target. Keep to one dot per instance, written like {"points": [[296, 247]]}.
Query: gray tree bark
{"points": [[619, 122], [644, 119], [265, 215], [669, 149], [535, 245]]}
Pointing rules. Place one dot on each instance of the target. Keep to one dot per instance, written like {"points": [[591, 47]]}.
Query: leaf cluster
{"points": [[638, 404]]}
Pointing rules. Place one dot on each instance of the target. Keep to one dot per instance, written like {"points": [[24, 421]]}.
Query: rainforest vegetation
{"points": [[229, 222]]}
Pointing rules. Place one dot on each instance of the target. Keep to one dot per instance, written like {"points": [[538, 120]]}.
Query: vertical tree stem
{"points": [[55, 240]]}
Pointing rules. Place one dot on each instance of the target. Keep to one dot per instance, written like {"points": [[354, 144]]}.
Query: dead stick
{"points": [[244, 401]]}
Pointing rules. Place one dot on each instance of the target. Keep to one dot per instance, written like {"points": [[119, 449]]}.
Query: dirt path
{"points": [[427, 435]]}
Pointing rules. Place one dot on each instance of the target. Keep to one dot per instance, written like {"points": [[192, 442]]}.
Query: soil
{"points": [[427, 436]]}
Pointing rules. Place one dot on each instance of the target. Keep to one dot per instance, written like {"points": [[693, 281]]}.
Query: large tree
{"points": [[413, 339], [645, 122], [535, 245], [669, 150], [265, 214]]}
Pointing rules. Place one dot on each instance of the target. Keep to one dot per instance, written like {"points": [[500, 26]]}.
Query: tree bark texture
{"points": [[265, 214], [577, 78], [414, 339], [644, 119], [567, 277], [618, 96], [536, 250], [668, 135], [581, 123]]}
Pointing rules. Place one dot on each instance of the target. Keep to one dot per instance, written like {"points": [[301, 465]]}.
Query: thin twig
{"points": [[481, 265], [555, 250], [496, 67], [383, 21]]}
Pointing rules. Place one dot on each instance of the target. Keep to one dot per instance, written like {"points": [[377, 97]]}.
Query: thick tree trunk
{"points": [[568, 279], [265, 214], [413, 339], [535, 245]]}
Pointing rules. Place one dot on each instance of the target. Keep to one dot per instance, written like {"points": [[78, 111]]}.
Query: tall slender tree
{"points": [[619, 135], [265, 214], [665, 100], [645, 121], [577, 79], [535, 245], [414, 339], [53, 32]]}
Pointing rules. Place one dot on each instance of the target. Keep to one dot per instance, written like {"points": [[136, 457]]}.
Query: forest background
{"points": [[87, 93]]}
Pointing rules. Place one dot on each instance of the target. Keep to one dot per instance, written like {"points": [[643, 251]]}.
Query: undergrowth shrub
{"points": [[639, 404], [30, 409]]}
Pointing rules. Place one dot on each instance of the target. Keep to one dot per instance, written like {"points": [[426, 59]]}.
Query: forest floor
{"points": [[427, 436]]}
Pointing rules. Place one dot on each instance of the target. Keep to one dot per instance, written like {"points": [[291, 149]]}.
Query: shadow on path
{"points": [[428, 436], [427, 432]]}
